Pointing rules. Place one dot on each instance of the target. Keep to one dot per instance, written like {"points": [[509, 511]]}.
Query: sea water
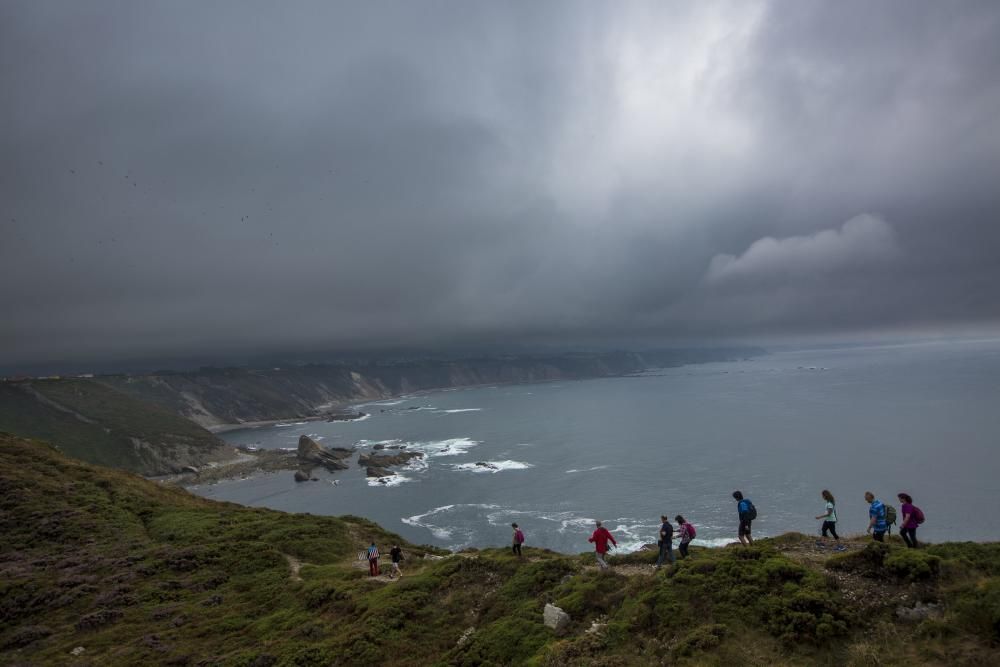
{"points": [[923, 418]]}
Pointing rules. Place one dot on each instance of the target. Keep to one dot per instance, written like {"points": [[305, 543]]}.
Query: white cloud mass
{"points": [[864, 240]]}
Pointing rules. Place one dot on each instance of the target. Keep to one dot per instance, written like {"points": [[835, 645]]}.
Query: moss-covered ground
{"points": [[132, 572]]}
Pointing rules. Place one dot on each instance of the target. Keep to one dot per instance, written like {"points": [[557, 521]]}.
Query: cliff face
{"points": [[214, 397], [93, 422]]}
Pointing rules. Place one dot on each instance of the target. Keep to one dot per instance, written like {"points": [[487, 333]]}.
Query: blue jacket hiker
{"points": [[666, 542], [747, 513], [877, 524]]}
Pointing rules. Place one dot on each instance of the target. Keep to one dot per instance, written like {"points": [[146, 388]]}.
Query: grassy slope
{"points": [[116, 417], [136, 572]]}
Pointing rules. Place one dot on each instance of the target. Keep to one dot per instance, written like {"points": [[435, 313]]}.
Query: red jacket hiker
{"points": [[600, 539]]}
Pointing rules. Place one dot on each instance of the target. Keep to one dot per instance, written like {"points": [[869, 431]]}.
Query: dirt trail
{"points": [[294, 565]]}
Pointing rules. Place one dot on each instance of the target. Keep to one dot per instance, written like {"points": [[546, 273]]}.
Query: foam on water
{"points": [[284, 425], [396, 401], [393, 480], [445, 532], [492, 466], [369, 443], [457, 410], [591, 469], [713, 542], [449, 447]]}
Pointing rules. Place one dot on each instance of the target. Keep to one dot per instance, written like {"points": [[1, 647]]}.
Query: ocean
{"points": [[923, 418]]}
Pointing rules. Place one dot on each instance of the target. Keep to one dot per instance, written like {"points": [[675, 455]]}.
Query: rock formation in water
{"points": [[312, 453], [386, 460]]}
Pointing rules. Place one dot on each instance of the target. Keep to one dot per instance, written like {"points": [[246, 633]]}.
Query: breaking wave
{"points": [[491, 466]]}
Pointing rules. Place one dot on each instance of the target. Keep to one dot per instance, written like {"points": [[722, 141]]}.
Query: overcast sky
{"points": [[198, 178]]}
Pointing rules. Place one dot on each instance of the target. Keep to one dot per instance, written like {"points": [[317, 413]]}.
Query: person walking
{"points": [[747, 513], [517, 539], [373, 560], [912, 517], [830, 518], [396, 554], [600, 538], [876, 517], [686, 533], [666, 542]]}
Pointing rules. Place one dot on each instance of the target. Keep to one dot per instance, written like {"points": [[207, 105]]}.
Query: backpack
{"points": [[890, 515], [519, 536], [751, 511], [692, 533], [918, 514]]}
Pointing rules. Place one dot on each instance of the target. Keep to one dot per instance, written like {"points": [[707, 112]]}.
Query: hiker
{"points": [[747, 513], [396, 554], [517, 539], [876, 513], [686, 533], [912, 517], [830, 518], [373, 561], [600, 538], [666, 541]]}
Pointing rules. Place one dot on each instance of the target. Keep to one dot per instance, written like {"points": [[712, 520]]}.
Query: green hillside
{"points": [[124, 571], [95, 423]]}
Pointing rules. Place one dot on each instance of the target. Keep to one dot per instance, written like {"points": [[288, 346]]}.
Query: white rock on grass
{"points": [[556, 618]]}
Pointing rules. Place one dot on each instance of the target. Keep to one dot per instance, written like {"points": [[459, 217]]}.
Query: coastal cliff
{"points": [[101, 567], [215, 398], [158, 423], [93, 422]]}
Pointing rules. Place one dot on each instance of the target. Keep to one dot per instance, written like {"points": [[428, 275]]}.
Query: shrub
{"points": [[701, 638], [979, 609], [912, 565], [868, 561], [509, 641]]}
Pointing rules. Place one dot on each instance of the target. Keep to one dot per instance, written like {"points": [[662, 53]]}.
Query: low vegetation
{"points": [[99, 567]]}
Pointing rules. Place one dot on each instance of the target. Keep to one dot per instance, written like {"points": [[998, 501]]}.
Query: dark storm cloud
{"points": [[208, 178]]}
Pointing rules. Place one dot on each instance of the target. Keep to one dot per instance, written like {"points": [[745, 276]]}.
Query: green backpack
{"points": [[890, 517]]}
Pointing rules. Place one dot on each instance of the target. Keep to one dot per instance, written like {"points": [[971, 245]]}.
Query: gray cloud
{"points": [[182, 178]]}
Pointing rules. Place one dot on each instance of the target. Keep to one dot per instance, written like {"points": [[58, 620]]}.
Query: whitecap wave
{"points": [[592, 468], [457, 410], [286, 424], [713, 542], [446, 532], [397, 401], [450, 447], [369, 443], [492, 467], [392, 480], [356, 419]]}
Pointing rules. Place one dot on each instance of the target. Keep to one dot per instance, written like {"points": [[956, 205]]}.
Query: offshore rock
{"points": [[386, 460], [311, 452], [375, 471]]}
